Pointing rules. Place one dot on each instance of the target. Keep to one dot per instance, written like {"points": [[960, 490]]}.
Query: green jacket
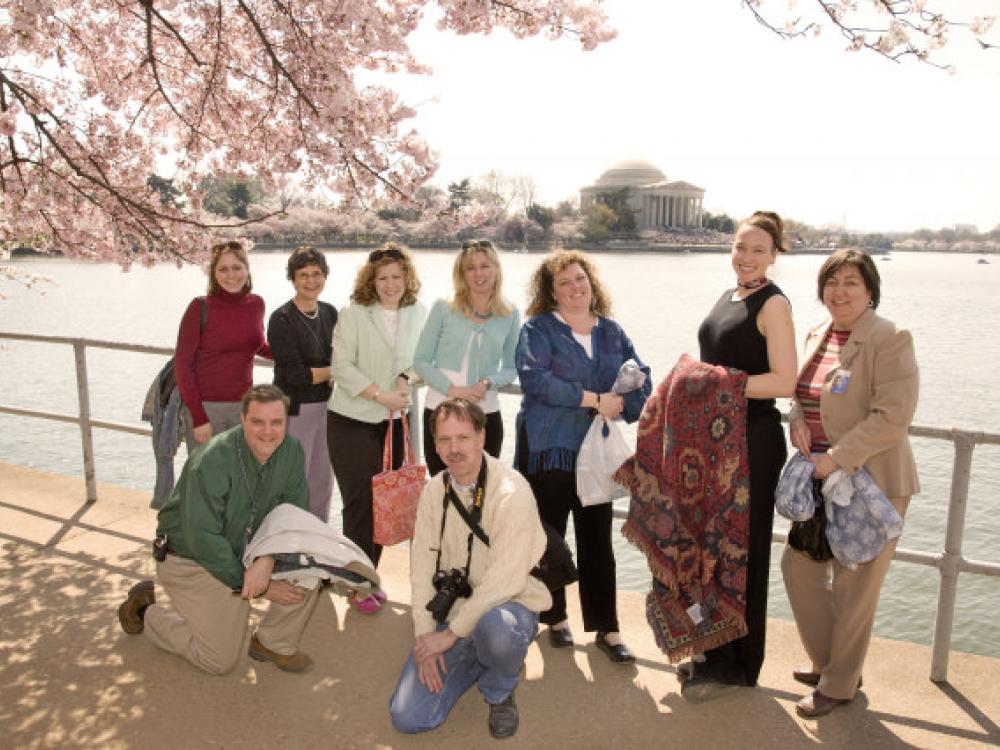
{"points": [[207, 514]]}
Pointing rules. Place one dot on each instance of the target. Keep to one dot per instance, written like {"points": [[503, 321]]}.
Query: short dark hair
{"points": [[460, 409], [263, 394], [851, 256], [304, 256]]}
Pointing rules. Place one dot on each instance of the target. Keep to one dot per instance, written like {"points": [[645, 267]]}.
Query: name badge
{"points": [[840, 381]]}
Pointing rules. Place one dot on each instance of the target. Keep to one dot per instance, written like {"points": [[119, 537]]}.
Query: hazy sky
{"points": [[703, 92]]}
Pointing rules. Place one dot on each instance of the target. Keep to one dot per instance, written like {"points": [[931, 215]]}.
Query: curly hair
{"points": [[364, 285], [541, 286], [462, 301], [239, 252]]}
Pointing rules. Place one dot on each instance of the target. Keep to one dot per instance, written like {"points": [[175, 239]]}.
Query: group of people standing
{"points": [[348, 376]]}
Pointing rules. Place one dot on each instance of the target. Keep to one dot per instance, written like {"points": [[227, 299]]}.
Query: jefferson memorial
{"points": [[657, 201]]}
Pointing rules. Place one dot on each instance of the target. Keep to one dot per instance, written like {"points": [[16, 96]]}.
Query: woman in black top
{"points": [[750, 329], [300, 334]]}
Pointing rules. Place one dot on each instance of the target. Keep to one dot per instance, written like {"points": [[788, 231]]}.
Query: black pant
{"points": [[356, 456], [555, 493], [739, 661], [494, 440]]}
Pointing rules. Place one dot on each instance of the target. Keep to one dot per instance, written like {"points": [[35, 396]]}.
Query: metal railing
{"points": [[950, 561]]}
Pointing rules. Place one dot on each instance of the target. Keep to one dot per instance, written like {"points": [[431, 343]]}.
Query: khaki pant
{"points": [[834, 610], [207, 624]]}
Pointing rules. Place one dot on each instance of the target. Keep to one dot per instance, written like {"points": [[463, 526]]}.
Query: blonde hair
{"points": [[462, 301], [233, 248], [541, 286], [364, 284]]}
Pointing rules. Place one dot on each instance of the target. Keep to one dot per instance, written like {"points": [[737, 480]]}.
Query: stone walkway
{"points": [[69, 677]]}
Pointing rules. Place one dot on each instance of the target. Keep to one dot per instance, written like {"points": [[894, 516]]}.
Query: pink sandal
{"points": [[370, 604]]}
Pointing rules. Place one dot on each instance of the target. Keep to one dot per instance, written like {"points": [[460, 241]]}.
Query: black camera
{"points": [[449, 586]]}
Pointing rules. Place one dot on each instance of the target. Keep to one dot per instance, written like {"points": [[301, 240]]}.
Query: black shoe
{"points": [[504, 718], [617, 652], [132, 611], [699, 689], [560, 638]]}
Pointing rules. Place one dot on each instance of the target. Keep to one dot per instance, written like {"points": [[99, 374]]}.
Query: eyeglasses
{"points": [[376, 255], [476, 244]]}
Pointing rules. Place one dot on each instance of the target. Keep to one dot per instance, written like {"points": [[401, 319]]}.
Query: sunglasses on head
{"points": [[376, 255], [470, 244], [227, 247]]}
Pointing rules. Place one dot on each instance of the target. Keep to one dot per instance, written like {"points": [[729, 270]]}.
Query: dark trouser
{"points": [[555, 493], [740, 660], [356, 456], [494, 440]]}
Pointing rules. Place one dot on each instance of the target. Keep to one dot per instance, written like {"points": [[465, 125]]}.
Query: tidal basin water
{"points": [[949, 302]]}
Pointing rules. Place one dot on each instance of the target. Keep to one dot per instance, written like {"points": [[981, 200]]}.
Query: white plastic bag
{"points": [[603, 451]]}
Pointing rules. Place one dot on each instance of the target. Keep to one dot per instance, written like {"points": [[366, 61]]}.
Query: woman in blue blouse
{"points": [[466, 349], [568, 355]]}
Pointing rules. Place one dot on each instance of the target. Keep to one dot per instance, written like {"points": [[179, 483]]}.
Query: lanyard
{"points": [[248, 532], [470, 517]]}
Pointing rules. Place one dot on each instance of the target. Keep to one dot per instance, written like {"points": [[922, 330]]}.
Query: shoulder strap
{"points": [[203, 320], [472, 523]]}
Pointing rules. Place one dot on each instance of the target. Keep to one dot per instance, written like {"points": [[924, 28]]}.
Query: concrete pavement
{"points": [[69, 677]]}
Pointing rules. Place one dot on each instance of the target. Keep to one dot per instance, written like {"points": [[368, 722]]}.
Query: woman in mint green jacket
{"points": [[373, 345], [466, 349]]}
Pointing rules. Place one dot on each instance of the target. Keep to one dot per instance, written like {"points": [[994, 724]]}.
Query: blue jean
{"points": [[491, 656]]}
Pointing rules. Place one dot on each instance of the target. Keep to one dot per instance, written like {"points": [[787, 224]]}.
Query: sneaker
{"points": [[132, 611], [297, 662], [503, 718]]}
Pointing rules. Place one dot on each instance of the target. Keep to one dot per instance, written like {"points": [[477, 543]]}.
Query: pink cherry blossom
{"points": [[94, 94]]}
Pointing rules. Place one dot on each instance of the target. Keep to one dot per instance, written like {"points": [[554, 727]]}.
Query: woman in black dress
{"points": [[750, 328]]}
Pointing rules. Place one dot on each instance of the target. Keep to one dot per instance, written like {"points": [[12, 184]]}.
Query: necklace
{"points": [[754, 284], [482, 315], [313, 316]]}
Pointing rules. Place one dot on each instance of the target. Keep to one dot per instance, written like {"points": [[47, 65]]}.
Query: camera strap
{"points": [[471, 517]]}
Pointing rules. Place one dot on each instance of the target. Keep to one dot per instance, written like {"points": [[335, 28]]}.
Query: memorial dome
{"points": [[630, 173]]}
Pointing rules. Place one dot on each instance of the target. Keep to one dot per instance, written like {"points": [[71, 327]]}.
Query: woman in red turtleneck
{"points": [[214, 366]]}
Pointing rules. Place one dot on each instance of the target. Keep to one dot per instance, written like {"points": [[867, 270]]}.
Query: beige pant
{"points": [[207, 624], [834, 609]]}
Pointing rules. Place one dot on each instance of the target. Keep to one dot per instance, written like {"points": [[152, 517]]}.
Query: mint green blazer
{"points": [[363, 354]]}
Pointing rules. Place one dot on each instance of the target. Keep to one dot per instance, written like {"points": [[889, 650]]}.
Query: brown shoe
{"points": [[806, 676], [297, 662], [132, 611], [816, 705]]}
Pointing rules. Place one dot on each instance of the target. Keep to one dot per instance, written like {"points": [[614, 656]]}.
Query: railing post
{"points": [[83, 396], [948, 589], [416, 424]]}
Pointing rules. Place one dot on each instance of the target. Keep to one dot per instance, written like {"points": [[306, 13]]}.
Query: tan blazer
{"points": [[867, 424]]}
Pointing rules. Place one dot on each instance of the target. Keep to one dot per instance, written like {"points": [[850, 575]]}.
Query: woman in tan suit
{"points": [[855, 399]]}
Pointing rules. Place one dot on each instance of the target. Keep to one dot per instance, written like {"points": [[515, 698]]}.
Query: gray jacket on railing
{"points": [[168, 430]]}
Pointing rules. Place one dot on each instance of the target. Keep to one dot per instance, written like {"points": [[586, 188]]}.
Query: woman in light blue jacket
{"points": [[372, 355], [466, 349]]}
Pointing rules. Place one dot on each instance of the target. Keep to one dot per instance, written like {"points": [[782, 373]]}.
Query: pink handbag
{"points": [[396, 492]]}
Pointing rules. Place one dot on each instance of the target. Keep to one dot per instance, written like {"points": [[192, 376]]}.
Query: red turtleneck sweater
{"points": [[217, 364]]}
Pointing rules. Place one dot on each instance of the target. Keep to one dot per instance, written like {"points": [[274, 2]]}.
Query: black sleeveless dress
{"points": [[729, 336]]}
